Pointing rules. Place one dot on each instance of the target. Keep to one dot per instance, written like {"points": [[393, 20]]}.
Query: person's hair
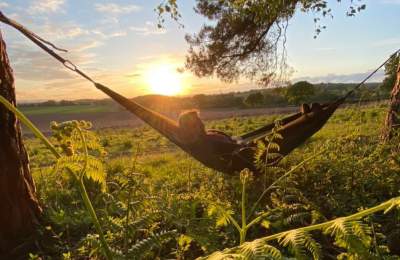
{"points": [[188, 116], [191, 125]]}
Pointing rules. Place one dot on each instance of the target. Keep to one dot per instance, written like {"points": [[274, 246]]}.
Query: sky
{"points": [[118, 44]]}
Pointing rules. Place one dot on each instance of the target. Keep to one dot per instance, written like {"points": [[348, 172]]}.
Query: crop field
{"points": [[106, 116], [157, 202], [68, 109]]}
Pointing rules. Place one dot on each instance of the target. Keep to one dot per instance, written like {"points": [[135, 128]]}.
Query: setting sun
{"points": [[164, 79]]}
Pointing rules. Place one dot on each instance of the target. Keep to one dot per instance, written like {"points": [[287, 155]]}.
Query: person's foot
{"points": [[316, 107], [305, 108]]}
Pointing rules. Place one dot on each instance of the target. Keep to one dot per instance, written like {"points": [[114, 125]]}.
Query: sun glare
{"points": [[164, 79]]}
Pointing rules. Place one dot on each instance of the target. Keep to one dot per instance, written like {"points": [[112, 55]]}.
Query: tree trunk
{"points": [[19, 208], [392, 120]]}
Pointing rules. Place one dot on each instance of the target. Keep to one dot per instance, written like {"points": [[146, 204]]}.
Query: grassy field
{"points": [[69, 109], [153, 187]]}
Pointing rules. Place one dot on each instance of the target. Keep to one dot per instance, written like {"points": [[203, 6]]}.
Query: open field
{"points": [[106, 117], [66, 110]]}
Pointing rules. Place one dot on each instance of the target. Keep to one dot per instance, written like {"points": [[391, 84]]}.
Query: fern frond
{"points": [[155, 240], [297, 218], [395, 203], [97, 176], [261, 146], [70, 162], [275, 168], [351, 235], [300, 242], [221, 256], [312, 246], [94, 168], [117, 253], [115, 222], [144, 221], [361, 230], [222, 215], [339, 227], [257, 249], [277, 135], [94, 163], [96, 172], [273, 156], [295, 241], [273, 146]]}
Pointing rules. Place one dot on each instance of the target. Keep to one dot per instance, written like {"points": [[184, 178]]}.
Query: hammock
{"points": [[228, 157], [234, 156]]}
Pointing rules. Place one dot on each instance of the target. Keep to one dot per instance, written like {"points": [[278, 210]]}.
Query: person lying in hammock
{"points": [[211, 147], [219, 150]]}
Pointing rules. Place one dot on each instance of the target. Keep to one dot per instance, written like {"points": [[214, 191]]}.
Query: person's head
{"points": [[191, 125]]}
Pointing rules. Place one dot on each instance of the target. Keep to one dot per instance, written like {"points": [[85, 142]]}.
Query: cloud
{"points": [[107, 35], [87, 45], [343, 78], [73, 87], [4, 4], [46, 6], [35, 65], [148, 29], [325, 49], [396, 2], [56, 90], [109, 21], [133, 75], [113, 8], [387, 42], [61, 32]]}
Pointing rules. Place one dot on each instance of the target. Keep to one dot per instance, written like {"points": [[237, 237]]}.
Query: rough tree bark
{"points": [[392, 120], [19, 208]]}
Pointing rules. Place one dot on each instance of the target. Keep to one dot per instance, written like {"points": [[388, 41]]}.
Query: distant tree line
{"points": [[305, 92], [54, 103], [293, 94], [49, 103]]}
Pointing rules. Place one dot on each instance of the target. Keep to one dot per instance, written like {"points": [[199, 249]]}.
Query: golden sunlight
{"points": [[164, 79]]}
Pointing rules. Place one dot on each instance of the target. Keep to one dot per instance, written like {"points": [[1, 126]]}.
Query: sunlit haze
{"points": [[163, 79]]}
